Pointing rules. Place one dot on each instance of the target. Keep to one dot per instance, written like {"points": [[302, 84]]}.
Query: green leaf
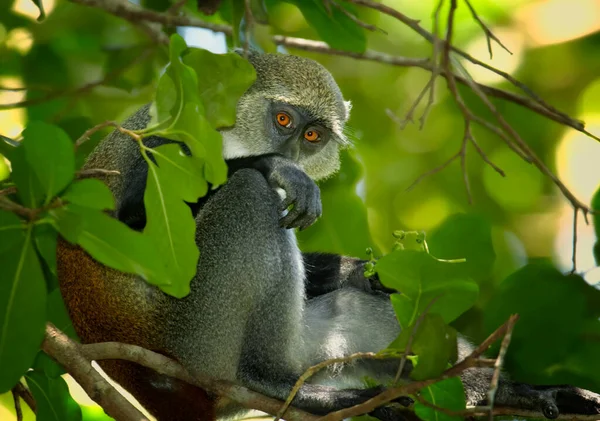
{"points": [[91, 193], [169, 223], [59, 317], [205, 143], [336, 29], [465, 236], [48, 153], [22, 310], [342, 208], [568, 305], [12, 230], [421, 279], [54, 403], [222, 80], [434, 343], [111, 242], [29, 189], [448, 393], [45, 241]]}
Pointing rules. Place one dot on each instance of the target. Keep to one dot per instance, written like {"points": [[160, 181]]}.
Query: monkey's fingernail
{"points": [[550, 410]]}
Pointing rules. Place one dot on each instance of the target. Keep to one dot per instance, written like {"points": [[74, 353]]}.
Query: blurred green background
{"points": [[556, 52]]}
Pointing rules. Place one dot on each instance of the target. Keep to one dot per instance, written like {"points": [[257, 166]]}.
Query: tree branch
{"points": [[66, 352]]}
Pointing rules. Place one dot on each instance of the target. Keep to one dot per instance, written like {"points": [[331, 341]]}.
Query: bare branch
{"points": [[17, 404], [433, 171], [168, 367], [498, 365], [26, 395], [434, 61], [574, 256], [66, 352], [489, 35]]}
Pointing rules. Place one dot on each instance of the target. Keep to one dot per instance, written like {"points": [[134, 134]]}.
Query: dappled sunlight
{"points": [[29, 9], [12, 121], [577, 158], [19, 39], [563, 243], [554, 21]]}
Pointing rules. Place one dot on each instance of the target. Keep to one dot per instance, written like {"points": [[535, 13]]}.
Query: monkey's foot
{"points": [[552, 401]]}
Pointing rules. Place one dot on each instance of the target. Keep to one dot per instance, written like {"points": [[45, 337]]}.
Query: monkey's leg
{"points": [[245, 310]]}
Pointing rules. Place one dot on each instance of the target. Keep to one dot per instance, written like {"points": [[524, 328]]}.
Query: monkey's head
{"points": [[294, 108]]}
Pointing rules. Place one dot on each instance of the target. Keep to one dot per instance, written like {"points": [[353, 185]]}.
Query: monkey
{"points": [[259, 311]]}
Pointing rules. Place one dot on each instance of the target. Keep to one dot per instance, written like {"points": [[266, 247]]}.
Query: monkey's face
{"points": [[295, 109]]}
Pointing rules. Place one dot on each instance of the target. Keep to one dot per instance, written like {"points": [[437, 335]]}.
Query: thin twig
{"points": [[311, 371], [411, 338], [415, 26], [498, 366], [410, 113], [351, 16], [489, 35], [435, 63], [411, 388], [433, 171], [574, 257], [26, 395], [88, 133], [17, 403]]}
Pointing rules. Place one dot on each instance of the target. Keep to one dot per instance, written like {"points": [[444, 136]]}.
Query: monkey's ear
{"points": [[348, 107]]}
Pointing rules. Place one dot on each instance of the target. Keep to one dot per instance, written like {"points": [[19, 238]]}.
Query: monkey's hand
{"points": [[301, 192]]}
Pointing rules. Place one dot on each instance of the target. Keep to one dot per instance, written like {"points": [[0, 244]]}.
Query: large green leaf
{"points": [[49, 154], [58, 316], [466, 236], [421, 279], [54, 402], [111, 242], [45, 243], [222, 79], [11, 230], [448, 393], [91, 193], [170, 227], [336, 29], [22, 310], [434, 342], [553, 309]]}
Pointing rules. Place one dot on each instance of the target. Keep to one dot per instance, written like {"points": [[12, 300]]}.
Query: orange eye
{"points": [[312, 135], [283, 119]]}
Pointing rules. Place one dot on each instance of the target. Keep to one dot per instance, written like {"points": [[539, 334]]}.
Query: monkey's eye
{"points": [[312, 136], [283, 119]]}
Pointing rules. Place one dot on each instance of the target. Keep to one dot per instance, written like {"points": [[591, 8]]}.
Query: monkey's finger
{"points": [[314, 212], [295, 214]]}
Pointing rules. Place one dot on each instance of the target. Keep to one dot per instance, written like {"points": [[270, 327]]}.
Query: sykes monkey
{"points": [[259, 312]]}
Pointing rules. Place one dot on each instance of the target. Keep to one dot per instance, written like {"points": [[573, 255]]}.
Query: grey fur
{"points": [[246, 318]]}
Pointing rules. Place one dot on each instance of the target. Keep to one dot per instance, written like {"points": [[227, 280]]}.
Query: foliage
{"points": [[194, 93]]}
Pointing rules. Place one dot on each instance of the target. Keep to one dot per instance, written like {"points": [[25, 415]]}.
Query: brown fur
{"points": [[96, 296]]}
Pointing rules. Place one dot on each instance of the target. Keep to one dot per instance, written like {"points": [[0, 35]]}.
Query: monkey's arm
{"points": [[301, 192], [327, 272]]}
